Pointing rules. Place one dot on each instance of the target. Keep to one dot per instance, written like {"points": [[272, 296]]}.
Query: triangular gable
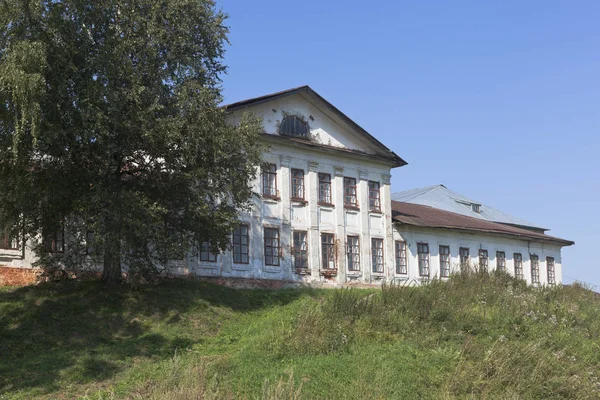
{"points": [[329, 127]]}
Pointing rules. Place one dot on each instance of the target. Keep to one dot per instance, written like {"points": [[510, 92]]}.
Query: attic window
{"points": [[293, 125], [476, 207]]}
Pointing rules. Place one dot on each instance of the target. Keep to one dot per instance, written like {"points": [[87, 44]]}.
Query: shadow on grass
{"points": [[52, 335]]}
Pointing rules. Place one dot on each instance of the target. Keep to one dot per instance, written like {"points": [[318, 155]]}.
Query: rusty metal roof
{"points": [[430, 217]]}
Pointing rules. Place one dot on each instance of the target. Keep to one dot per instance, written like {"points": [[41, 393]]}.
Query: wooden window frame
{"points": [[325, 193], [534, 262], [297, 127], [53, 244], [464, 261], [206, 255], [484, 261], [518, 264], [501, 266], [374, 197], [272, 246], [423, 258], [350, 193], [300, 249], [298, 184], [444, 263], [328, 252], [401, 259], [6, 240], [353, 252], [377, 260], [268, 176], [239, 245], [551, 270]]}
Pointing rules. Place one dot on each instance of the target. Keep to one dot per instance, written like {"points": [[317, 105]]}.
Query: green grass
{"points": [[475, 336]]}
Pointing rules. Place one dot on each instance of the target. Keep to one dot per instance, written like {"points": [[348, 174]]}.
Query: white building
{"points": [[325, 211]]}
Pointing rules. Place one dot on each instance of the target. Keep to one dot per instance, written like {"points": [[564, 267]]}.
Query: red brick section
{"points": [[10, 276], [418, 215]]}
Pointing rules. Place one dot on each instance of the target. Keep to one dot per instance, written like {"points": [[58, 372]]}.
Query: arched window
{"points": [[293, 125]]}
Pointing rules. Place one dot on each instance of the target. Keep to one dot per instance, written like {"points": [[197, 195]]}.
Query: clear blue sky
{"points": [[497, 100]]}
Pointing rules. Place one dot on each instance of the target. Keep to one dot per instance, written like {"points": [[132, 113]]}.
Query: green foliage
{"points": [[475, 335], [109, 117]]}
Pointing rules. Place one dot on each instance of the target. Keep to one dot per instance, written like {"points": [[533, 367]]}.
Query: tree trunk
{"points": [[111, 273]]}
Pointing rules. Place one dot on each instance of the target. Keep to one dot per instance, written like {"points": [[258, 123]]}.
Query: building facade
{"points": [[323, 212]]}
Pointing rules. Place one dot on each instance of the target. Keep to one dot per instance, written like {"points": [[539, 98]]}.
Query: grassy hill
{"points": [[474, 336]]}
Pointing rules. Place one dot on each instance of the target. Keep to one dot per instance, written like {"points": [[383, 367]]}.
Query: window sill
{"points": [[207, 265], [241, 267], [326, 204], [352, 208], [270, 197], [378, 275], [329, 272], [302, 271], [299, 201], [272, 268], [377, 212], [12, 253], [354, 274]]}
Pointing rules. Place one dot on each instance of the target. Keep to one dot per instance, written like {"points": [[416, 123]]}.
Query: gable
{"points": [[328, 127]]}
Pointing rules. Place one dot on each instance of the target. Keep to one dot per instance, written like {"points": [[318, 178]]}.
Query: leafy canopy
{"points": [[109, 123]]}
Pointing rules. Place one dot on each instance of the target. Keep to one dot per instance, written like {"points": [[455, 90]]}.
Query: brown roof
{"points": [[398, 161], [418, 215]]}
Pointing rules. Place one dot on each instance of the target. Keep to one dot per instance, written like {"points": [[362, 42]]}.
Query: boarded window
{"points": [[328, 251], [464, 256], [401, 264], [297, 184], [374, 198], [423, 254], [272, 246], [269, 180], [241, 245], [353, 253], [350, 199], [206, 254], [377, 254], [551, 271], [518, 261], [445, 261], [535, 268], [483, 260], [500, 261], [293, 125], [325, 189], [300, 247]]}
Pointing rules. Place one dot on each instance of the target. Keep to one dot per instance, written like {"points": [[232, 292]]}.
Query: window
{"points": [[377, 254], [550, 267], [89, 243], [445, 261], [297, 184], [325, 189], [476, 207], [293, 125], [350, 199], [269, 180], [483, 259], [464, 256], [535, 268], [328, 251], [518, 260], [353, 252], [374, 200], [300, 247], [55, 242], [241, 245], [272, 246], [206, 254], [423, 253], [401, 264], [500, 261], [8, 240]]}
